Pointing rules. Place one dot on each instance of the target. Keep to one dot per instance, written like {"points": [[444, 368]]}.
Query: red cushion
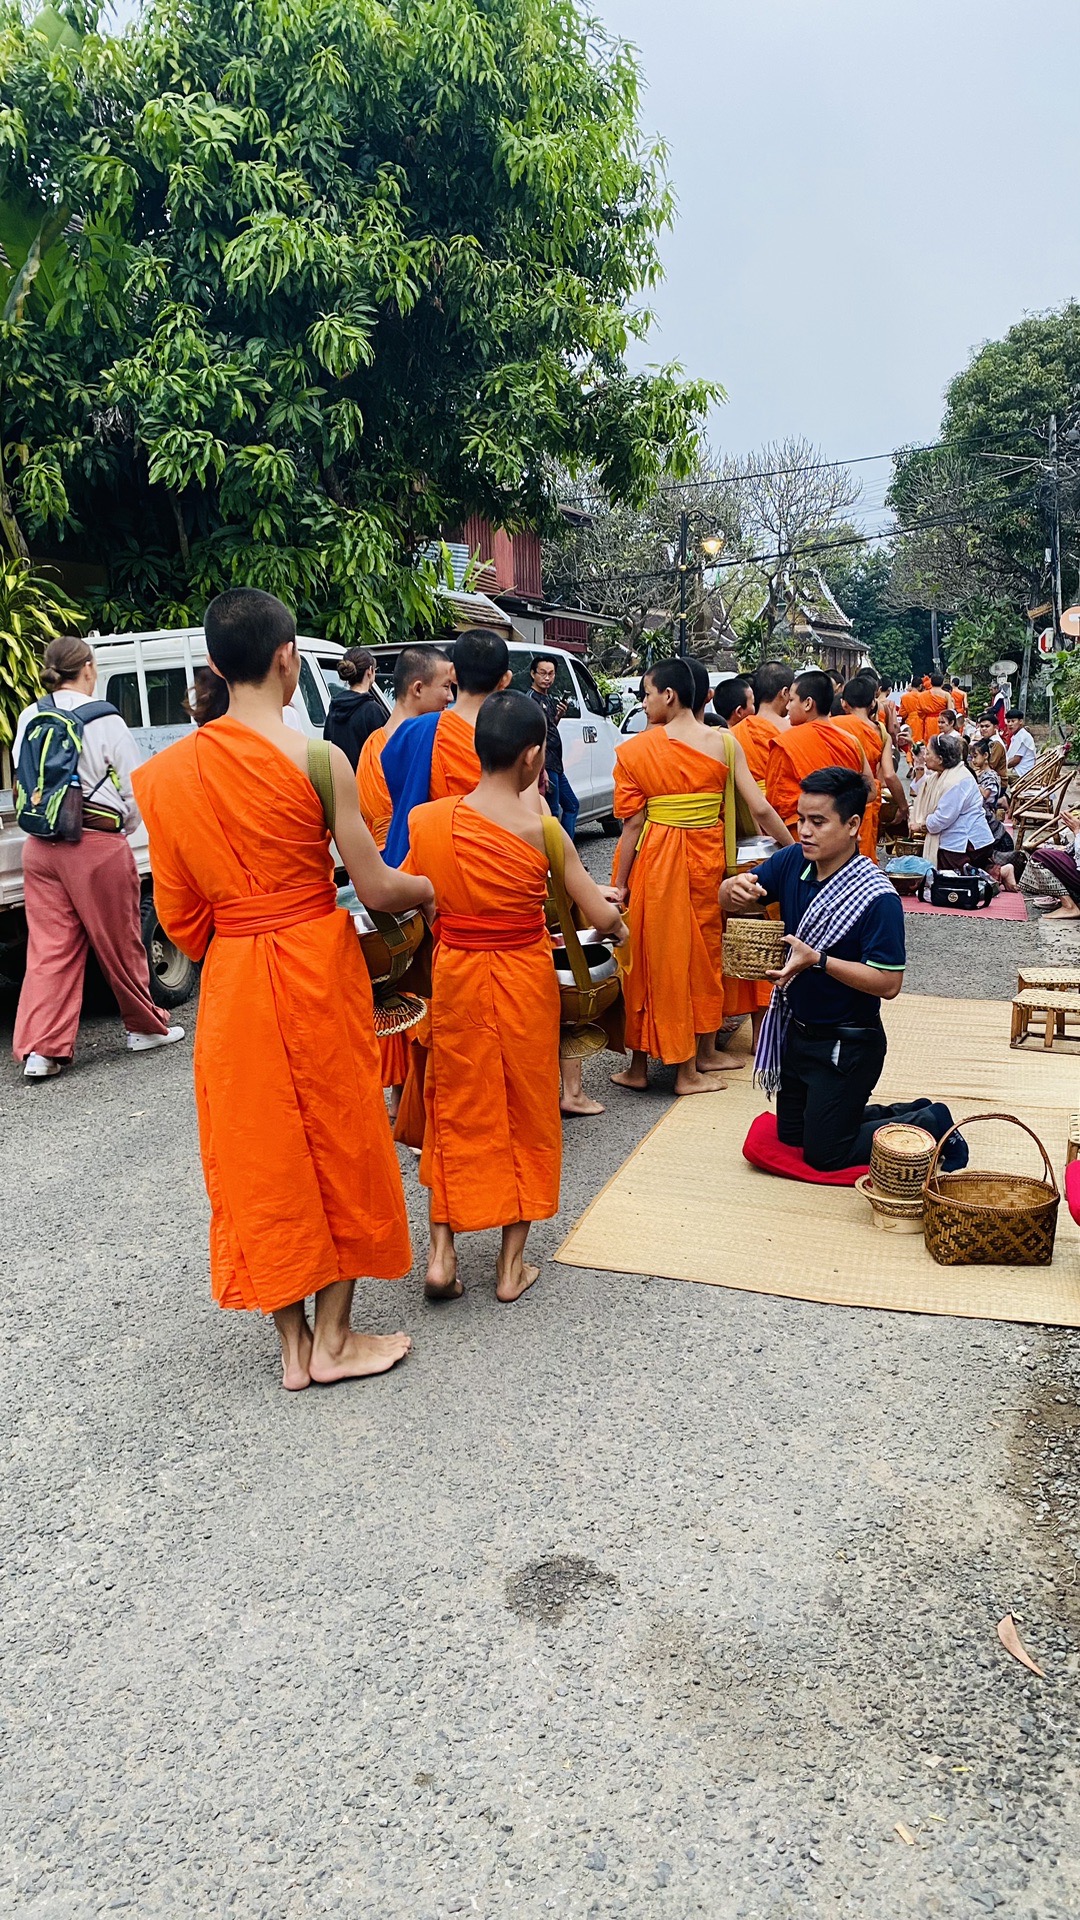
{"points": [[762, 1148], [1072, 1189]]}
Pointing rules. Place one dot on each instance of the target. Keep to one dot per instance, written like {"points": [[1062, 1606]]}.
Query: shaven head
{"points": [[733, 699], [772, 679], [701, 682], [937, 680], [508, 725], [816, 689], [860, 694], [481, 659], [846, 789], [673, 676], [416, 663], [244, 629]]}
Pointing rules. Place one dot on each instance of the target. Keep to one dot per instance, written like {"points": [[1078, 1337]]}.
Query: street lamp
{"points": [[710, 546]]}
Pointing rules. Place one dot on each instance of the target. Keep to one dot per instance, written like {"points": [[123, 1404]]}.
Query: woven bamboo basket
{"points": [[900, 1157], [753, 948], [990, 1219]]}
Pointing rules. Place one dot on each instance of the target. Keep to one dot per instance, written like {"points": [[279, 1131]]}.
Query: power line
{"points": [[929, 525], [860, 460]]}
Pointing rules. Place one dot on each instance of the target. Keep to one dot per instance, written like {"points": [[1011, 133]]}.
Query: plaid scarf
{"points": [[830, 915]]}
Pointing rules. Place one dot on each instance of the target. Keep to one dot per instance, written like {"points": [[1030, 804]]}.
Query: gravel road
{"points": [[636, 1599]]}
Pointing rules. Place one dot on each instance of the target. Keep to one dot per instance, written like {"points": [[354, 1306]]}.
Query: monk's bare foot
{"points": [[1064, 912], [514, 1278], [689, 1080], [441, 1281], [358, 1356], [630, 1080], [713, 1061], [579, 1103], [296, 1362]]}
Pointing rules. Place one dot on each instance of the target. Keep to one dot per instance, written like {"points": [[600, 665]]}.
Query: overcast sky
{"points": [[868, 189]]}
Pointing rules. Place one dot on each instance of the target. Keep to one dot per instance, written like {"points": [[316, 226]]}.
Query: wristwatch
{"points": [[821, 962]]}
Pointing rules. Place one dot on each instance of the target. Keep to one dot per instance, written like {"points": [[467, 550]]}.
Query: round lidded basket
{"points": [[900, 1157], [753, 948]]}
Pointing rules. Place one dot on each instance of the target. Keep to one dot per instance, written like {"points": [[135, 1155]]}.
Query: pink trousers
{"points": [[79, 894]]}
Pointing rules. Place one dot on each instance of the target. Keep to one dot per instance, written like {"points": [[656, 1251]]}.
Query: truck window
{"points": [[166, 691], [590, 692], [311, 694]]}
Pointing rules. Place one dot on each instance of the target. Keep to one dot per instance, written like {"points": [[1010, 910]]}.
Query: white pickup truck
{"points": [[146, 676]]}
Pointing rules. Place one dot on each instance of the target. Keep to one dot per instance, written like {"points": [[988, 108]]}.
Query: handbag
{"points": [[964, 890]]}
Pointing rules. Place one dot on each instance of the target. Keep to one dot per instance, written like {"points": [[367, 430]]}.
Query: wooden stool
{"points": [[1061, 979], [1057, 1007], [1072, 1151]]}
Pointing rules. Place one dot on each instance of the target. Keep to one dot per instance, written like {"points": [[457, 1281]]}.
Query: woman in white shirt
{"points": [[85, 892], [952, 814]]}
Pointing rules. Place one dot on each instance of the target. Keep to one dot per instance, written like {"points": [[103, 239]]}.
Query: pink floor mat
{"points": [[1004, 906]]}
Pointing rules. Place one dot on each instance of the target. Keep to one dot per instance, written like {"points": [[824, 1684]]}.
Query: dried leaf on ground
{"points": [[1013, 1644]]}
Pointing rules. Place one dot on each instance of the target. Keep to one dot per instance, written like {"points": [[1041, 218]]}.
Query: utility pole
{"points": [[1055, 528], [935, 650], [684, 564]]}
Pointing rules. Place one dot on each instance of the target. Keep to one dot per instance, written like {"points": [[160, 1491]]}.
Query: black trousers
{"points": [[826, 1079]]}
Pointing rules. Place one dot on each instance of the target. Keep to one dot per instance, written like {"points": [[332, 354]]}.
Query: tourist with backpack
{"points": [[73, 760]]}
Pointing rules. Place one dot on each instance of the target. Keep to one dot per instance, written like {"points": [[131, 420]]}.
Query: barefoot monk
{"points": [[493, 1140], [304, 1188], [670, 790]]}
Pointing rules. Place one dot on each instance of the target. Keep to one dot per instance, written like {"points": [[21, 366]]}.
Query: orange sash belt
{"points": [[273, 912], [490, 932]]}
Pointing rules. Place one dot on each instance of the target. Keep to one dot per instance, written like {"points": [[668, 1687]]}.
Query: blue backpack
{"points": [[48, 796]]}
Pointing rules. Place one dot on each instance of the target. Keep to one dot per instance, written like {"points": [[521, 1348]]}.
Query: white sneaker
{"points": [[39, 1067], [142, 1042]]}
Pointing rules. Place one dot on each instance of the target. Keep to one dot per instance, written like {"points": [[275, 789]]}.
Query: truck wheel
{"points": [[172, 974], [610, 827]]}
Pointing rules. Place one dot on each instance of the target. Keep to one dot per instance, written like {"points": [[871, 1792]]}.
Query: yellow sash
{"points": [[684, 810]]}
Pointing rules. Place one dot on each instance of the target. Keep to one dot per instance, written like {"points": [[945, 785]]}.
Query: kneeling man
{"points": [[823, 1044]]}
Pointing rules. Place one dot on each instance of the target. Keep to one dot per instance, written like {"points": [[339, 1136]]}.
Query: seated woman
{"points": [[949, 812], [1064, 864]]}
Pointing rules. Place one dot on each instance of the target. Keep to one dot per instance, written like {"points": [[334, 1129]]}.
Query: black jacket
{"points": [[351, 718]]}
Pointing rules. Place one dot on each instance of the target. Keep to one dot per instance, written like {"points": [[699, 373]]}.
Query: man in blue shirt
{"points": [[835, 1047]]}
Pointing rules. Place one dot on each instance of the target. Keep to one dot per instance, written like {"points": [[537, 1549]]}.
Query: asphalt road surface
{"points": [[637, 1598]]}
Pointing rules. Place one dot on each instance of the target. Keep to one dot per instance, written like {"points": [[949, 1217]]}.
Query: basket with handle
{"points": [[595, 987], [990, 1219]]}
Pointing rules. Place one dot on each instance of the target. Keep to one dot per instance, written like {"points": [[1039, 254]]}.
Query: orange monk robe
{"points": [[493, 1139], [300, 1169], [755, 735], [455, 770], [674, 989], [932, 704], [377, 809], [802, 750], [869, 739], [375, 803], [911, 713], [958, 701]]}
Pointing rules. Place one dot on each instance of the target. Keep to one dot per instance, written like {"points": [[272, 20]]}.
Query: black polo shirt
{"points": [[877, 939]]}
